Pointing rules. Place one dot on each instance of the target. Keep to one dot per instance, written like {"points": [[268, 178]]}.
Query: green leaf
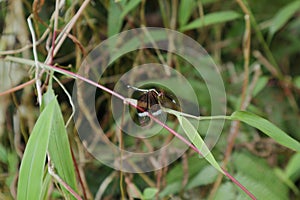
{"points": [[59, 150], [268, 128], [47, 98], [46, 186], [114, 18], [170, 189], [177, 172], [12, 161], [186, 9], [226, 192], [260, 85], [292, 170], [206, 176], [33, 162], [149, 193], [257, 176], [196, 139], [211, 19], [282, 17], [129, 7], [296, 81], [204, 2], [285, 179], [3, 154]]}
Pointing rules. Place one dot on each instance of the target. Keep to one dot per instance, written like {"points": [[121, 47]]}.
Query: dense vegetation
{"points": [[255, 45]]}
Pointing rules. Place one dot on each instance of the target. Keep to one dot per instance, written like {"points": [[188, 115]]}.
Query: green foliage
{"points": [[114, 18], [204, 177], [212, 19], [272, 91], [186, 9], [292, 169], [149, 193], [49, 134], [258, 177], [268, 128], [282, 17], [33, 163], [59, 150], [196, 139]]}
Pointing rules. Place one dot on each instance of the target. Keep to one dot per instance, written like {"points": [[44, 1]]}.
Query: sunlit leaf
{"points": [[33, 163], [59, 150], [196, 139]]}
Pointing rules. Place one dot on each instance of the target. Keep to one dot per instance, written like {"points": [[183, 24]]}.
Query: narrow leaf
{"points": [[268, 128], [59, 150], [260, 85], [114, 18], [46, 186], [211, 19], [185, 11], [129, 7], [282, 17], [33, 163], [292, 169], [196, 139]]}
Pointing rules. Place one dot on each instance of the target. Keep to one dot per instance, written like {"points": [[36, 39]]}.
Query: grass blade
{"points": [[114, 18], [33, 163], [196, 139], [267, 128], [186, 9], [282, 17], [211, 19], [59, 150], [129, 7]]}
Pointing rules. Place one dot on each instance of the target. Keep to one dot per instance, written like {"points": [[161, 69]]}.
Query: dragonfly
{"points": [[150, 101]]}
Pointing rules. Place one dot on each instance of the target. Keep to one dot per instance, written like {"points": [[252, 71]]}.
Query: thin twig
{"points": [[63, 35], [259, 35], [257, 74], [59, 180], [69, 98], [104, 185], [19, 87], [266, 63], [28, 46], [37, 67]]}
